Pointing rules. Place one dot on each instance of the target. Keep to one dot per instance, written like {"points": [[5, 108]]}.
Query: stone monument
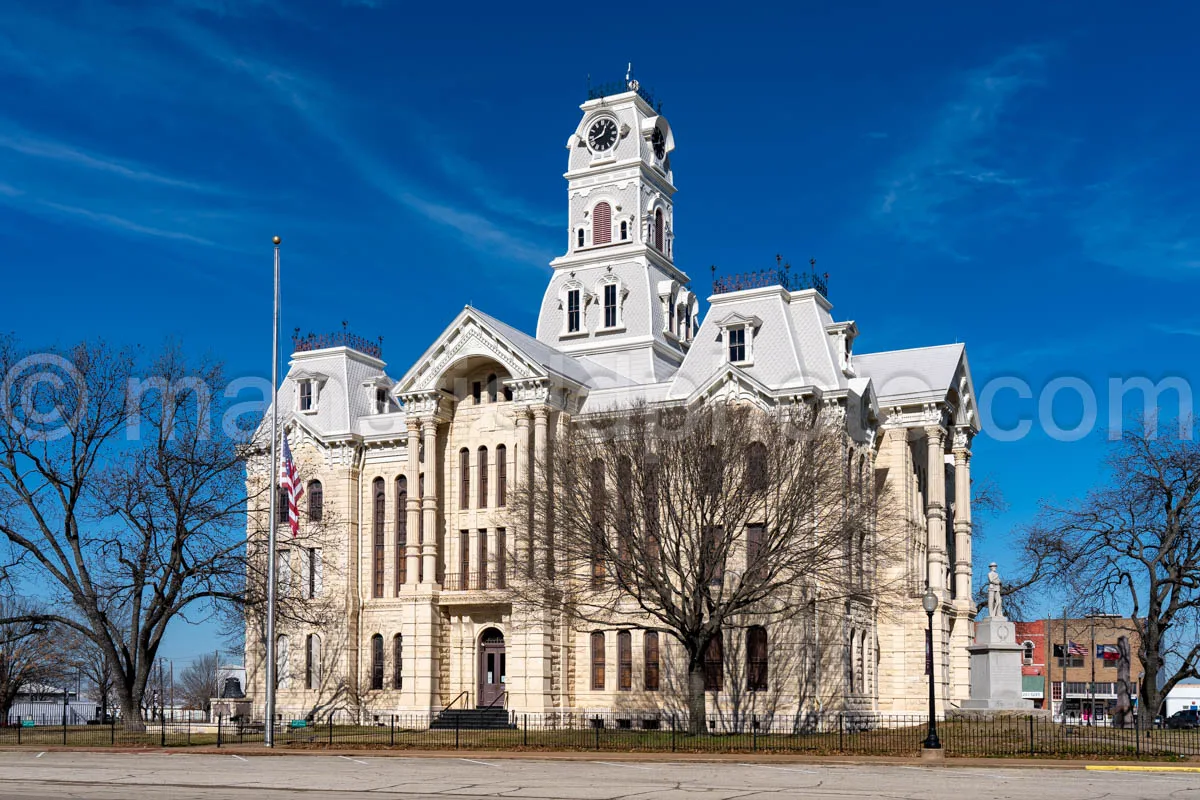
{"points": [[995, 658]]}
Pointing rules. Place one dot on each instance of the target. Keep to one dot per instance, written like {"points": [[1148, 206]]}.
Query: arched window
{"points": [[501, 476], [650, 648], [1027, 655], [756, 658], [597, 495], [491, 388], [483, 477], [598, 660], [464, 478], [756, 466], [602, 223], [312, 662], [283, 677], [714, 663], [852, 653], [377, 661], [624, 522], [658, 229], [624, 230], [401, 531], [316, 501], [380, 505], [624, 661], [579, 238], [397, 662]]}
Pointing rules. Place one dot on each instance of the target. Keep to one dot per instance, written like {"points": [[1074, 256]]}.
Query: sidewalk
{"points": [[647, 757]]}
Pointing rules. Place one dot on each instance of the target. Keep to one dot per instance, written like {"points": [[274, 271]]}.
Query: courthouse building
{"points": [[406, 543]]}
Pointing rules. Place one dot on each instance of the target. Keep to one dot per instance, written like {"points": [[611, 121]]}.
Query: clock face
{"points": [[659, 143], [603, 134]]}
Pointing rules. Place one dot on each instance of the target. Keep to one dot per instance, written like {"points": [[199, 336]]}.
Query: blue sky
{"points": [[1021, 179]]}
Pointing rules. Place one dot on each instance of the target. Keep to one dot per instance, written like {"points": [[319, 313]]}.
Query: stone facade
{"points": [[415, 543]]}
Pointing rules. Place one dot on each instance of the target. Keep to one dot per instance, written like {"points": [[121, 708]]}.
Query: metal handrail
{"points": [[460, 696], [502, 696]]}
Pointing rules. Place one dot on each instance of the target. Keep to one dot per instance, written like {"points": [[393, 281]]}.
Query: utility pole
{"points": [[172, 690]]}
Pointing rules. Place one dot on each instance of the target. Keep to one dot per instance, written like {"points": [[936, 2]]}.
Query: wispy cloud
{"points": [[113, 221], [1190, 329], [958, 163], [57, 151]]}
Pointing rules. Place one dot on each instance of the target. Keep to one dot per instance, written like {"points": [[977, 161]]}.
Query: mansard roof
{"points": [[921, 376]]}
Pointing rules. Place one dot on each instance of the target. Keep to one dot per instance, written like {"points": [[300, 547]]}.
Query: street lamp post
{"points": [[930, 603]]}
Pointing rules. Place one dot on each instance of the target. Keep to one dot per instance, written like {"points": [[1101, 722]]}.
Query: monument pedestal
{"points": [[996, 668]]}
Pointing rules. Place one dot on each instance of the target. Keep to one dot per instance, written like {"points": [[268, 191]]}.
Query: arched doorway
{"points": [[492, 669]]}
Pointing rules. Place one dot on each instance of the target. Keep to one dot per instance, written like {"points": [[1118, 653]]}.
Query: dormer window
{"points": [[306, 396], [381, 401], [739, 332], [573, 311], [737, 345], [610, 305]]}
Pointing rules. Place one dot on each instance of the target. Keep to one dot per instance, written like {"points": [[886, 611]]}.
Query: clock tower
{"points": [[616, 295]]}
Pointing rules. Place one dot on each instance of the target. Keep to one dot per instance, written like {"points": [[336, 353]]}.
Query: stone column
{"points": [[540, 535], [412, 511], [429, 504], [935, 511], [522, 536], [962, 512]]}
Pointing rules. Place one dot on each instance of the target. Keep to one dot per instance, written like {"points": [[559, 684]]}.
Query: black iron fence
{"points": [[646, 731]]}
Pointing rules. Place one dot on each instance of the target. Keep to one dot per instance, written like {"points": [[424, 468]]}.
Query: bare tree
{"points": [[93, 666], [696, 519], [1132, 547], [124, 503], [28, 651], [200, 682]]}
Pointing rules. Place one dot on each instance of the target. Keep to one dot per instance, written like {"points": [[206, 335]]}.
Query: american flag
{"points": [[290, 482], [1075, 649]]}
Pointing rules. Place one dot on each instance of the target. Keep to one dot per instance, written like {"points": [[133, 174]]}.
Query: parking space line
{"points": [[484, 763], [39, 755], [355, 760], [616, 764], [781, 769], [239, 758]]}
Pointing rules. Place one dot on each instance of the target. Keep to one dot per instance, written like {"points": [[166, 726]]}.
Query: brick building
{"points": [[1083, 649]]}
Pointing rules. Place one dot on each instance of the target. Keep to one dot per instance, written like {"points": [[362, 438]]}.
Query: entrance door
{"points": [[491, 668]]}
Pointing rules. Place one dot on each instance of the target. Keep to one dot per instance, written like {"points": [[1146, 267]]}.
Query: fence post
{"points": [[841, 731], [19, 726], [672, 733], [392, 736], [162, 731], [456, 731], [1137, 734], [525, 730], [64, 727], [596, 728], [218, 730], [331, 727], [753, 734]]}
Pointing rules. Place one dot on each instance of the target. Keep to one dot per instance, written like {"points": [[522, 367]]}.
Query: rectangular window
{"points": [[598, 661], [712, 553], [501, 476], [312, 573], [624, 661], [464, 478], [573, 311], [737, 345], [483, 477], [464, 559], [610, 305], [397, 662], [477, 392], [755, 567], [483, 558], [650, 645], [501, 557], [283, 572], [306, 399], [714, 664], [381, 401]]}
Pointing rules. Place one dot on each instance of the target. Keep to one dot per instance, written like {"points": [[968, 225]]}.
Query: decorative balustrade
{"points": [[776, 276], [342, 338]]}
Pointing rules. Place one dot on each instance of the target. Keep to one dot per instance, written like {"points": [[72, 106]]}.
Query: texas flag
{"points": [[1108, 652], [290, 482]]}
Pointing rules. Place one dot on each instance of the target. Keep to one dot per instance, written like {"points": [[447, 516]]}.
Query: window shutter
{"points": [[602, 224], [658, 229]]}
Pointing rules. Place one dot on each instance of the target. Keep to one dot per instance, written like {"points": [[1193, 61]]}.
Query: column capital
{"points": [[962, 440], [935, 433], [540, 413], [414, 425]]}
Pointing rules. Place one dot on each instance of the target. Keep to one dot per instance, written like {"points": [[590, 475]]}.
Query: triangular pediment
{"points": [[469, 335]]}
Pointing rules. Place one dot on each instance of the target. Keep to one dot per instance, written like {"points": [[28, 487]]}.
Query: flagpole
{"points": [[269, 722]]}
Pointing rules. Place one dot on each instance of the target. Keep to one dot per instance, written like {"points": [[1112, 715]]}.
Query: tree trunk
{"points": [[131, 712], [697, 711]]}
